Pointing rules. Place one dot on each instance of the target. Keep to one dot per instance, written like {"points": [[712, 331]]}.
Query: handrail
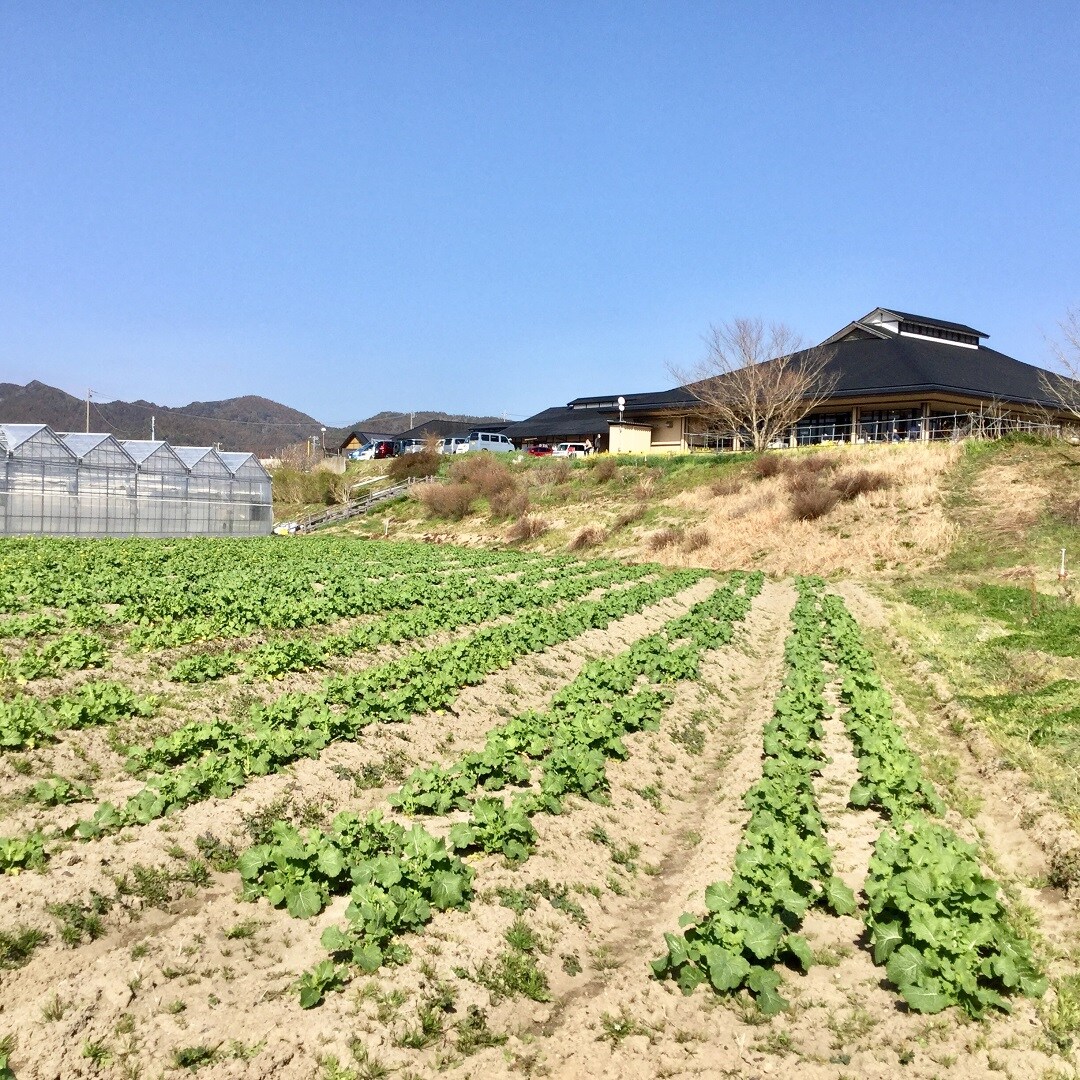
{"points": [[359, 506]]}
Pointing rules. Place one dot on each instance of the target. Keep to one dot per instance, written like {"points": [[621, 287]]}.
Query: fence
{"points": [[938, 427]]}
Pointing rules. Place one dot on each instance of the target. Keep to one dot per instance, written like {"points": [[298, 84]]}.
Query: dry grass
{"points": [[554, 472], [1011, 497], [696, 539], [527, 527], [634, 513], [851, 485], [508, 503], [643, 489], [664, 538], [902, 523], [486, 474], [587, 537], [810, 502], [730, 485], [451, 501], [424, 463], [767, 465], [604, 470], [1066, 508]]}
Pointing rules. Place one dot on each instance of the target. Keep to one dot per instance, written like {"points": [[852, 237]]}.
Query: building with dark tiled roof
{"points": [[894, 376]]}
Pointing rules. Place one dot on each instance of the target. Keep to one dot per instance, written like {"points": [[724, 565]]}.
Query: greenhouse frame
{"points": [[92, 484]]}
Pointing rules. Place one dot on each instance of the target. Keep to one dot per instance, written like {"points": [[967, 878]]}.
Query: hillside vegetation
{"points": [[855, 509]]}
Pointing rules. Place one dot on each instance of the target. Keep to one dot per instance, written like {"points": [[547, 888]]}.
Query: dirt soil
{"points": [[205, 971]]}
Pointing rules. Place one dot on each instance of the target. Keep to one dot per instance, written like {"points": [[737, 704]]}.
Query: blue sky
{"points": [[496, 207]]}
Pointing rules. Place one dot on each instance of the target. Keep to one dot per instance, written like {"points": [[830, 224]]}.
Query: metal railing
{"points": [[951, 427], [334, 515]]}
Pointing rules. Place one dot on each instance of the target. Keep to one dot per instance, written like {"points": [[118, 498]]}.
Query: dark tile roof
{"points": [[652, 399], [562, 423], [883, 364], [921, 365], [907, 316]]}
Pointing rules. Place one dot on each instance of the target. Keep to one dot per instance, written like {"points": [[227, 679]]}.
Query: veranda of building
{"points": [[894, 377], [92, 484]]}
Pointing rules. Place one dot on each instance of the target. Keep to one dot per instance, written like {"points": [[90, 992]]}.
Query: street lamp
{"points": [[621, 402], [322, 439]]}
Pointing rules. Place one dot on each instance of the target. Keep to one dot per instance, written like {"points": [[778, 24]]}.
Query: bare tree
{"points": [[757, 381], [1066, 388]]}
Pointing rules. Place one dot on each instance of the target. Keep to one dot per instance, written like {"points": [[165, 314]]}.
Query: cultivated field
{"points": [[347, 808]]}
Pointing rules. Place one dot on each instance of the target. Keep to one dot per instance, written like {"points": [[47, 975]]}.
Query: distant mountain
{"points": [[251, 423], [394, 423]]}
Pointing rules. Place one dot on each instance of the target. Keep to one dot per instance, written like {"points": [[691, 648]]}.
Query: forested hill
{"points": [[251, 423]]}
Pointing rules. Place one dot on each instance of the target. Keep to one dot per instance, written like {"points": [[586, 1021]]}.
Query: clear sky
{"points": [[493, 207]]}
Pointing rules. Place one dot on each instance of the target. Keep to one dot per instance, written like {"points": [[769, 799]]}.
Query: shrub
{"points": [[556, 472], [629, 516], [588, 537], [814, 502], [293, 486], [423, 463], [849, 485], [664, 538], [815, 463], [486, 474], [508, 502], [527, 527], [604, 469], [730, 485], [1066, 508], [768, 465], [696, 539], [452, 501], [798, 480]]}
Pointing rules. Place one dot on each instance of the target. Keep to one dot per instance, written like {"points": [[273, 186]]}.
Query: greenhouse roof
{"points": [[235, 460], [13, 436], [195, 455], [81, 444], [141, 449]]}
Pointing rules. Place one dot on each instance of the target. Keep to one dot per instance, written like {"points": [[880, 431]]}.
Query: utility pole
{"points": [[152, 419], [88, 393]]}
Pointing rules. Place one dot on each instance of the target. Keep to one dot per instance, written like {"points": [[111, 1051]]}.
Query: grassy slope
{"points": [[714, 511], [993, 617]]}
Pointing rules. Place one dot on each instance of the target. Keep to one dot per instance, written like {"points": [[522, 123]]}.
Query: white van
{"points": [[453, 445], [485, 440]]}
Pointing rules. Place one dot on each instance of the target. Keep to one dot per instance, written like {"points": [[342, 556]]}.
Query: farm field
{"points": [[342, 808]]}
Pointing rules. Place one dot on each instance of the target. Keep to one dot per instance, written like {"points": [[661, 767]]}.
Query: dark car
{"points": [[383, 449], [539, 451]]}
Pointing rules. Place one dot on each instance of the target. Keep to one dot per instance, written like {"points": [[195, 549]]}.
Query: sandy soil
{"points": [[207, 970]]}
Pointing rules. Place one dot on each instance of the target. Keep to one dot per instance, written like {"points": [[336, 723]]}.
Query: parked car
{"points": [[374, 451], [486, 440], [570, 449], [453, 445], [539, 450], [409, 446]]}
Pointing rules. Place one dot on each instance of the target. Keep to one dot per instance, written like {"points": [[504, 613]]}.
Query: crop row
{"points": [[72, 651], [442, 609], [182, 590], [220, 758], [783, 864], [936, 922], [555, 753], [26, 722]]}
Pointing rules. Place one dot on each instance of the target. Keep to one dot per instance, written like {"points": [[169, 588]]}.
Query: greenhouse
{"points": [[76, 484]]}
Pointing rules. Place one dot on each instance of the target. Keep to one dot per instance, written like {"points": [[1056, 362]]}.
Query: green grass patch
{"points": [[1049, 717], [1054, 627]]}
